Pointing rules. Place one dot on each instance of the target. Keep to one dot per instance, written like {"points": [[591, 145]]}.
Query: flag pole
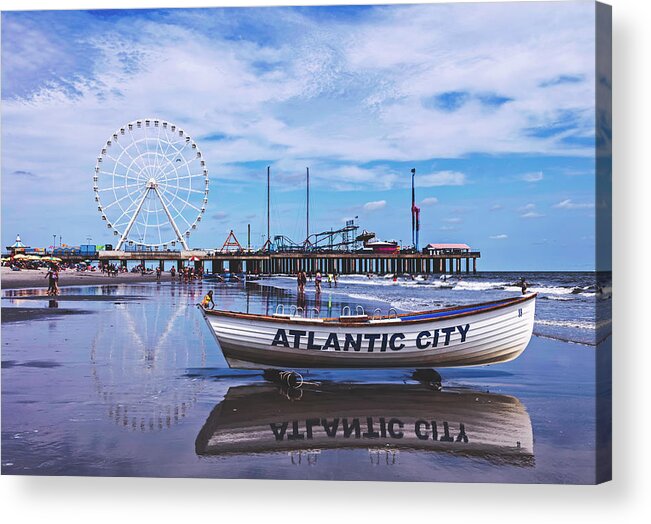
{"points": [[413, 208]]}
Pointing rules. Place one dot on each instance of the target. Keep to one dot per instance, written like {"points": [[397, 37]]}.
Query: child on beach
{"points": [[317, 281]]}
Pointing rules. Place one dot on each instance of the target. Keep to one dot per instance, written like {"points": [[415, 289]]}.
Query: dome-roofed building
{"points": [[17, 247]]}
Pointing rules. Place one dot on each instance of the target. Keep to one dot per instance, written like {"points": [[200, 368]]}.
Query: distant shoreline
{"points": [[32, 278], [35, 278]]}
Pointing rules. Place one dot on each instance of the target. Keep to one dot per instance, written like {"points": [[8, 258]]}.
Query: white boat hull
{"points": [[478, 335]]}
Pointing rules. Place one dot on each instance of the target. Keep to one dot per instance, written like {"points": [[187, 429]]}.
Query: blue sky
{"points": [[493, 104]]}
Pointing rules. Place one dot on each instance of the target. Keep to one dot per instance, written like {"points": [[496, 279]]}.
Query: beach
{"points": [[35, 278], [126, 379]]}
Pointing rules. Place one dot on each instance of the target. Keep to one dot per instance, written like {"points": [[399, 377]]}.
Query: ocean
{"points": [[127, 380]]}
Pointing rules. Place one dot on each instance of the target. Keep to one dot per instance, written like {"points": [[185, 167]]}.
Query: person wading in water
{"points": [[301, 280], [317, 281]]}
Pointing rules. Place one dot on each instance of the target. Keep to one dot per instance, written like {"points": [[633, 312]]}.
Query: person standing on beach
{"points": [[158, 272], [172, 272], [51, 282], [329, 280], [55, 280]]}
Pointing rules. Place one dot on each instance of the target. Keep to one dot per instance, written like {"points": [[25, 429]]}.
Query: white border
{"points": [[147, 500]]}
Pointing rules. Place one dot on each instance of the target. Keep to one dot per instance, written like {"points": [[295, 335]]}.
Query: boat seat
{"points": [[353, 318]]}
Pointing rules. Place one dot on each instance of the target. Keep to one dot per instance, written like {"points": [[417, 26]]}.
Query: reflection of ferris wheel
{"points": [[136, 369], [151, 184]]}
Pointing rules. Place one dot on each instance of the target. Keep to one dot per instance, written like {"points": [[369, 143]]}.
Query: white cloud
{"points": [[347, 92], [529, 211], [532, 177], [331, 94], [496, 207], [452, 220], [429, 201], [531, 214], [501, 236], [568, 204], [374, 206]]}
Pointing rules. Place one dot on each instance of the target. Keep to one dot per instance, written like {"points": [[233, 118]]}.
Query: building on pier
{"points": [[446, 249]]}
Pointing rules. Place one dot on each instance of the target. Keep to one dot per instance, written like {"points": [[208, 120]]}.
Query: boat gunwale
{"points": [[336, 321]]}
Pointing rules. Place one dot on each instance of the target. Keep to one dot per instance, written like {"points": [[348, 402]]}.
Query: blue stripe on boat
{"points": [[447, 313]]}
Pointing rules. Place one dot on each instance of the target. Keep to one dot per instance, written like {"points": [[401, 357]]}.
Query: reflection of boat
{"points": [[473, 335], [257, 419]]}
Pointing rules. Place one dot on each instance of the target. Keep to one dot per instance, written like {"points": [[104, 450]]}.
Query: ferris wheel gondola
{"points": [[151, 184]]}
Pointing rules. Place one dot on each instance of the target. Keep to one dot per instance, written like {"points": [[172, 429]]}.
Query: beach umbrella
{"points": [[194, 259], [55, 259]]}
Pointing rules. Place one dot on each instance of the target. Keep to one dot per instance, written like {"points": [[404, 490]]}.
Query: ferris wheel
{"points": [[151, 184]]}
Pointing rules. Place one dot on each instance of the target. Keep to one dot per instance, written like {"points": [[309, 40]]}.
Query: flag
{"points": [[416, 213]]}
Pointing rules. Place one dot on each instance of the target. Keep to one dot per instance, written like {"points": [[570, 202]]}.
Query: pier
{"points": [[345, 263]]}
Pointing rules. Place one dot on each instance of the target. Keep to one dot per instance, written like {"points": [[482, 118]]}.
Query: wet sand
{"points": [[25, 314], [141, 389], [35, 278]]}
